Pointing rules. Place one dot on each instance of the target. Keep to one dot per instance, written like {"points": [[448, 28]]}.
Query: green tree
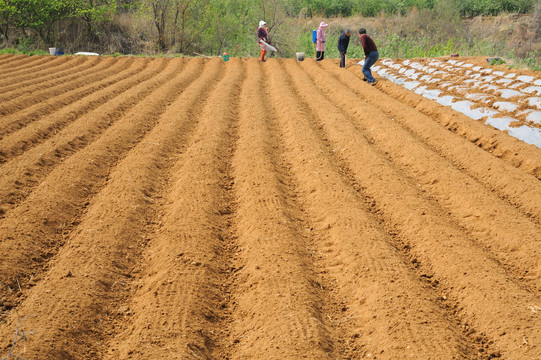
{"points": [[7, 13], [40, 15], [94, 12]]}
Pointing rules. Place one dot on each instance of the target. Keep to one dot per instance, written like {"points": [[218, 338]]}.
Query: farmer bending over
{"points": [[371, 55], [343, 44]]}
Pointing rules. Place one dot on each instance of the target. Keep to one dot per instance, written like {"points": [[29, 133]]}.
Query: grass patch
{"points": [[14, 51]]}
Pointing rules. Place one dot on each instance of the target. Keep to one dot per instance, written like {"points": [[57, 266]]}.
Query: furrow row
{"points": [[16, 83], [54, 208], [47, 76], [515, 152], [182, 297], [278, 302], [88, 72], [50, 117], [19, 177], [101, 254], [392, 315], [24, 62], [332, 307], [6, 59], [492, 305], [510, 235]]}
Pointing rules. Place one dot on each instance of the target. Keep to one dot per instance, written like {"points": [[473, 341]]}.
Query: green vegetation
{"points": [[330, 8], [497, 61], [14, 51], [401, 28]]}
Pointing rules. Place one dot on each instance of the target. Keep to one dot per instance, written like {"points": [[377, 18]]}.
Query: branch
{"points": [[17, 339]]}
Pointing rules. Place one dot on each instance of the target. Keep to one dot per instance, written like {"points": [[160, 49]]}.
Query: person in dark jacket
{"points": [[343, 44], [371, 55]]}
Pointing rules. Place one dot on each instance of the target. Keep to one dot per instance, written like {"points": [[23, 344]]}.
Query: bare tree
{"points": [[180, 15], [159, 11], [274, 13]]}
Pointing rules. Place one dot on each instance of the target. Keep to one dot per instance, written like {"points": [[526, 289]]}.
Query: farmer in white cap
{"points": [[262, 39], [320, 42]]}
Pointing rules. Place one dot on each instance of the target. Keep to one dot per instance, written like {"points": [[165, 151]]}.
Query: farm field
{"points": [[190, 208]]}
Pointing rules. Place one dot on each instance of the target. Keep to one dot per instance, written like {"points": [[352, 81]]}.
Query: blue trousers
{"points": [[368, 62]]}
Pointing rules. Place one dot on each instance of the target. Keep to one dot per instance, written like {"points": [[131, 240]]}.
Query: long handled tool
{"points": [[269, 46]]}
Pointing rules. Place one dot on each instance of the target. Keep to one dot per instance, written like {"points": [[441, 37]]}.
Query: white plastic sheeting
{"points": [[477, 88]]}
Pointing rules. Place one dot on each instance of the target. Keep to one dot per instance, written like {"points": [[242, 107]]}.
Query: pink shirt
{"points": [[320, 42]]}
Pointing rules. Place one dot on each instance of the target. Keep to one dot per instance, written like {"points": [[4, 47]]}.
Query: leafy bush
{"points": [[14, 51], [496, 61], [493, 7]]}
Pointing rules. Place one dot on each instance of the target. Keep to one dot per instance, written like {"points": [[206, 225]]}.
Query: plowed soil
{"points": [[201, 209]]}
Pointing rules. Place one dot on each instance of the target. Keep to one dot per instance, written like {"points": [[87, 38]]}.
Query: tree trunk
{"points": [[159, 21], [5, 32], [175, 25]]}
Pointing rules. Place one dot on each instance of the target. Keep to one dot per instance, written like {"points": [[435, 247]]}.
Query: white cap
{"points": [[262, 23]]}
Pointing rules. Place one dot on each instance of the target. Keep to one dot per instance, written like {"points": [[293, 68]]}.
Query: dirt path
{"points": [[198, 209]]}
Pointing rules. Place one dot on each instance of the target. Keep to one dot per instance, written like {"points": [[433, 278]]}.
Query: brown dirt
{"points": [[196, 209]]}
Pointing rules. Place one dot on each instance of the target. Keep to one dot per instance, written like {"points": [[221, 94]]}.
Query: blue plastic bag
{"points": [[314, 36]]}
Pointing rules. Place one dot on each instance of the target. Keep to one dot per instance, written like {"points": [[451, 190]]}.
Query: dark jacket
{"points": [[368, 44], [343, 43], [262, 35]]}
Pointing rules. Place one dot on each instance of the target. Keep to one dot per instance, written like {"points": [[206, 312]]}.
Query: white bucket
{"points": [[300, 56], [52, 51]]}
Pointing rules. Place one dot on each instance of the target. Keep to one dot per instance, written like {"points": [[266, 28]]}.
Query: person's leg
{"points": [[342, 60], [370, 60], [318, 55], [322, 55], [263, 52]]}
